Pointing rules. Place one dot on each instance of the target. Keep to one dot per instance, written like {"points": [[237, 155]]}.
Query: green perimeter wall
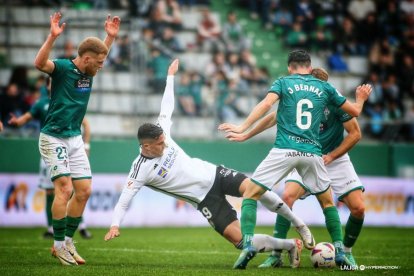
{"points": [[116, 156]]}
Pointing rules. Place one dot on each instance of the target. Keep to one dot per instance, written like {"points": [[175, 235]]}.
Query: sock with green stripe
{"points": [[71, 225], [59, 229], [352, 230], [248, 220], [282, 227], [333, 224]]}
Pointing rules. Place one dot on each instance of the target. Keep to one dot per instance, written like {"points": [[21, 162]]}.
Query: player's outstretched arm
{"points": [[168, 100], [19, 121], [112, 25], [42, 61], [362, 93], [267, 122], [353, 137], [258, 111], [112, 233], [173, 68]]}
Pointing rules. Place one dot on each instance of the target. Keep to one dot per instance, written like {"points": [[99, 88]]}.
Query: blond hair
{"points": [[320, 73], [94, 45]]}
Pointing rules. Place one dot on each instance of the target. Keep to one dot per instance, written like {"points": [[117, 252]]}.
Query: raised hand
{"points": [[363, 91], [112, 25], [112, 233], [55, 29], [173, 67]]}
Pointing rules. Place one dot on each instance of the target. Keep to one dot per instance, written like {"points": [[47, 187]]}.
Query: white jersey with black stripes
{"points": [[174, 173]]}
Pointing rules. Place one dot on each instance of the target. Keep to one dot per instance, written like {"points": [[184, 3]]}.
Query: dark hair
{"points": [[149, 131], [299, 58]]}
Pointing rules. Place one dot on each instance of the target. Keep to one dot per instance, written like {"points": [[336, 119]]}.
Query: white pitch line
{"points": [[176, 252]]}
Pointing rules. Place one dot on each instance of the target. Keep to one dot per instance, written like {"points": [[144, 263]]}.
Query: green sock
{"points": [[333, 224], [352, 229], [71, 225], [248, 220], [59, 229], [49, 201], [282, 227]]}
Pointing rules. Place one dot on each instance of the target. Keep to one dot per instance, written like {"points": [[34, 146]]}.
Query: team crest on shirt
{"points": [[163, 172], [326, 112], [83, 85]]}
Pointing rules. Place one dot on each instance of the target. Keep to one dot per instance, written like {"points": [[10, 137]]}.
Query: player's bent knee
{"points": [[358, 211], [63, 194], [289, 199], [83, 194]]}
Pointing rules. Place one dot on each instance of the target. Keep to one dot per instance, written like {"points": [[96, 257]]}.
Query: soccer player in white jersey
{"points": [[344, 181], [164, 167], [303, 99]]}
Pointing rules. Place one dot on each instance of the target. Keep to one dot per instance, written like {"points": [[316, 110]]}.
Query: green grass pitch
{"points": [[189, 251]]}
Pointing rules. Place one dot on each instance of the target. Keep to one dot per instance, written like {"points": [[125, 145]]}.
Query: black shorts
{"points": [[215, 207]]}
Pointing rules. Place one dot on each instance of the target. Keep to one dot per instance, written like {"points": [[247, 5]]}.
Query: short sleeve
{"points": [[342, 115], [276, 87], [35, 109], [59, 67], [335, 96]]}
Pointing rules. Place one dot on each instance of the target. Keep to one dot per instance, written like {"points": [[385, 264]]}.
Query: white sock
{"points": [[266, 243], [275, 204], [68, 239], [347, 249], [58, 244]]}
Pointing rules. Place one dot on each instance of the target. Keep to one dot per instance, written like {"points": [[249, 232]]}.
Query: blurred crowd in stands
{"points": [[382, 31]]}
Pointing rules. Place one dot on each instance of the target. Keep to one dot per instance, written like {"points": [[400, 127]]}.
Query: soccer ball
{"points": [[323, 255]]}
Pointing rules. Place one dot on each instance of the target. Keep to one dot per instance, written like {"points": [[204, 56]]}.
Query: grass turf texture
{"points": [[188, 251]]}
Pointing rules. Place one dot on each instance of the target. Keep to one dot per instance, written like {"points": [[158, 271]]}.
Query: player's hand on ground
{"points": [[226, 127], [173, 67], [236, 137], [112, 25], [363, 91], [327, 159], [55, 29], [112, 233]]}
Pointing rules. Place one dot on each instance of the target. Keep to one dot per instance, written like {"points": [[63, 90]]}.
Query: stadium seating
{"points": [[121, 99]]}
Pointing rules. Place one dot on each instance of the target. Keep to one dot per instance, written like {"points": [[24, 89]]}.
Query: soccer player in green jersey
{"points": [[60, 141], [303, 99], [345, 182], [39, 111]]}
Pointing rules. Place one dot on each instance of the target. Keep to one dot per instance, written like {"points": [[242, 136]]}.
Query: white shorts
{"points": [[44, 176], [65, 156], [279, 162], [342, 174]]}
